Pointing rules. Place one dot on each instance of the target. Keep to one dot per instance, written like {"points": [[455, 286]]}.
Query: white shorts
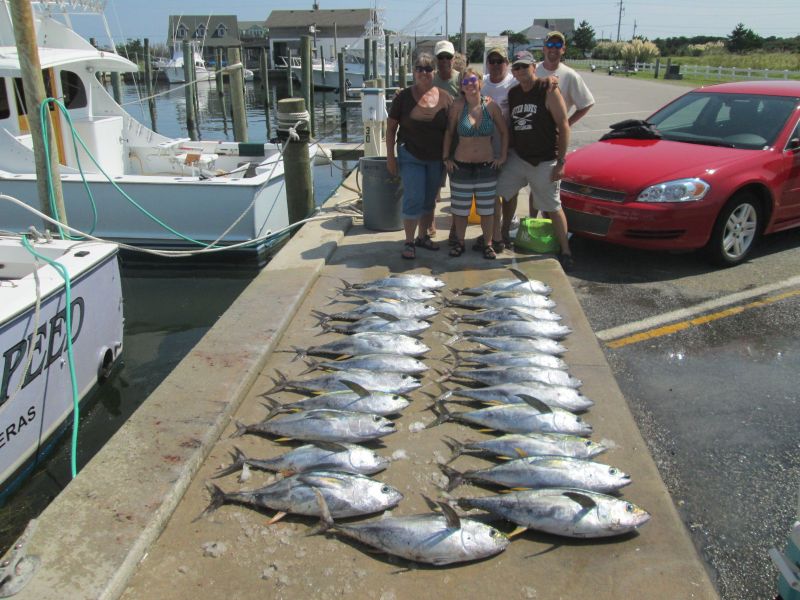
{"points": [[518, 173]]}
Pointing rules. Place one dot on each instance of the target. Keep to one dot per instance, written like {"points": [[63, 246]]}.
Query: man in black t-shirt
{"points": [[539, 137]]}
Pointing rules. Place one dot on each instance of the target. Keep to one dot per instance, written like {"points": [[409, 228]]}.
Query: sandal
{"points": [[489, 252], [426, 242], [478, 246], [498, 245], [457, 249], [409, 252]]}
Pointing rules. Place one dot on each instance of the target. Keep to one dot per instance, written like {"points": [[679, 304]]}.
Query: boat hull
{"points": [[200, 210], [36, 400]]}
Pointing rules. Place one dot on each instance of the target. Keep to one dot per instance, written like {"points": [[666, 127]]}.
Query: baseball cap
{"points": [[523, 58], [443, 46], [499, 50], [555, 34]]}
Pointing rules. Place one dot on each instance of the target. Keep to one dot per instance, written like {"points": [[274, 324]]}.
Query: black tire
{"points": [[736, 230]]}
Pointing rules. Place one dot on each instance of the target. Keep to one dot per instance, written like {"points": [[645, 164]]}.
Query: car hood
{"points": [[631, 165]]}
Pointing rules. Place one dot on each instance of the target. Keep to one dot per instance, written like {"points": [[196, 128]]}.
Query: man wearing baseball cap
{"points": [[573, 88], [446, 78], [538, 142]]}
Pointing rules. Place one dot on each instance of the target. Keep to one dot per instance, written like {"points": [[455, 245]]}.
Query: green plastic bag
{"points": [[536, 235]]}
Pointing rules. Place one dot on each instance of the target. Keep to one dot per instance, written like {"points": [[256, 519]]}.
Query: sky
{"points": [[650, 18]]}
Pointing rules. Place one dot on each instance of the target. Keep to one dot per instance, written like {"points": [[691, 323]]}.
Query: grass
{"points": [[774, 61]]}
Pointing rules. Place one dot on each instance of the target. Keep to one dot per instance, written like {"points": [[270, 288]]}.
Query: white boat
{"points": [[194, 193], [173, 67], [36, 398], [326, 77]]}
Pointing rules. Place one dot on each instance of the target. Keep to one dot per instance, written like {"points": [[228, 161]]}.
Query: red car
{"points": [[713, 169]]}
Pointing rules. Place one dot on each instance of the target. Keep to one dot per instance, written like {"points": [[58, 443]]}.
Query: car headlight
{"points": [[680, 190]]}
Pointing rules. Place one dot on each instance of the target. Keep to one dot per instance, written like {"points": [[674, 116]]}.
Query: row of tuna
{"points": [[364, 376]]}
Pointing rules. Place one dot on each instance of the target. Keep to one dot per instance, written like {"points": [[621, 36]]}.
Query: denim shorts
{"points": [[421, 182]]}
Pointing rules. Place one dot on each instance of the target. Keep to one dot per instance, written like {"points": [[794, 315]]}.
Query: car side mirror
{"points": [[794, 144]]}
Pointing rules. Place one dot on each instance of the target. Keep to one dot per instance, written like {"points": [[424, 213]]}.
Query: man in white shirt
{"points": [[574, 90], [496, 84]]}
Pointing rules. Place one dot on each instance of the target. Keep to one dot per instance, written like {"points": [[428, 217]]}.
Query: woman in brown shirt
{"points": [[417, 123]]}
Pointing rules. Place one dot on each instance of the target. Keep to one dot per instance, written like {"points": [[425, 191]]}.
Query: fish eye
{"points": [[613, 471], [629, 507], [376, 418], [588, 443], [386, 489]]}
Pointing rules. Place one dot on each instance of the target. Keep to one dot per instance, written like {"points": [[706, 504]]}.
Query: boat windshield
{"points": [[746, 121]]}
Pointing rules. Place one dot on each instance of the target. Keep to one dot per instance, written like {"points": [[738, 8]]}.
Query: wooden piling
{"points": [[307, 77], [116, 89], [236, 79], [148, 84], [367, 59], [342, 95], [296, 163], [387, 59], [374, 70], [289, 80], [188, 90], [264, 70]]}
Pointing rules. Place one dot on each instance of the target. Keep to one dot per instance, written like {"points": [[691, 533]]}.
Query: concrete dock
{"points": [[127, 527]]}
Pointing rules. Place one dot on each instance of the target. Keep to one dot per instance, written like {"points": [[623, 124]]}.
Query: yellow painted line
{"points": [[702, 320]]}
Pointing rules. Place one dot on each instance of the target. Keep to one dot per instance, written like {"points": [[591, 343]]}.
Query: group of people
{"points": [[492, 135]]}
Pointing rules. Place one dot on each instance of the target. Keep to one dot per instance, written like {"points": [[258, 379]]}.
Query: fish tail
{"points": [[347, 285], [323, 317], [299, 353], [454, 318], [455, 478], [280, 383], [273, 406], [456, 447], [239, 460], [312, 366], [218, 498], [442, 414], [241, 429], [456, 354], [325, 519]]}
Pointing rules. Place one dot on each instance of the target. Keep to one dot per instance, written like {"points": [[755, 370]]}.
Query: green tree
{"points": [[514, 40], [583, 38], [743, 39], [131, 48]]}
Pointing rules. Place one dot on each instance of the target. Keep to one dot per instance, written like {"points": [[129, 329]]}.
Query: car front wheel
{"points": [[736, 230]]}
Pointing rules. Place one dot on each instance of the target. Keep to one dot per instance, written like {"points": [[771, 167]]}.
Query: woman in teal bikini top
{"points": [[483, 129]]}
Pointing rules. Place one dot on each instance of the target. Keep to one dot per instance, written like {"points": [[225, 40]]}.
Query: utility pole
{"points": [[33, 86], [634, 29], [446, 30], [619, 21], [464, 27]]}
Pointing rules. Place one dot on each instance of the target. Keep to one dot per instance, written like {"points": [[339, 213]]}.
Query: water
{"points": [[168, 307]]}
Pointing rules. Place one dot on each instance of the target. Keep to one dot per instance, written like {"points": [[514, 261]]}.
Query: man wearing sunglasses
{"points": [[573, 88], [539, 137], [446, 77]]}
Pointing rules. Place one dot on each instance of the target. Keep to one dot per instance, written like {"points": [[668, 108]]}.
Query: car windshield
{"points": [[747, 121]]}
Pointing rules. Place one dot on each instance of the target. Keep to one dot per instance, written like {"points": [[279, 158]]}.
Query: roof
{"points": [[535, 32], [211, 30], [775, 87], [59, 57], [350, 17], [565, 26]]}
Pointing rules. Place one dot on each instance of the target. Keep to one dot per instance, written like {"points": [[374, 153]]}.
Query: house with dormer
{"points": [[211, 32]]}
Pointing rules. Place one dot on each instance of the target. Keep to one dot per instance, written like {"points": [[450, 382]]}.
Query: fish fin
{"points": [[241, 429], [456, 448], [325, 519], [277, 517], [312, 366], [486, 430], [506, 457], [331, 446], [239, 460], [316, 480], [454, 318], [347, 285], [519, 274], [454, 478], [218, 498], [386, 317], [517, 531], [299, 353], [521, 452], [432, 504], [357, 389], [326, 328], [535, 403], [520, 489], [283, 439], [522, 316], [453, 520], [284, 473], [445, 376], [582, 499]]}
